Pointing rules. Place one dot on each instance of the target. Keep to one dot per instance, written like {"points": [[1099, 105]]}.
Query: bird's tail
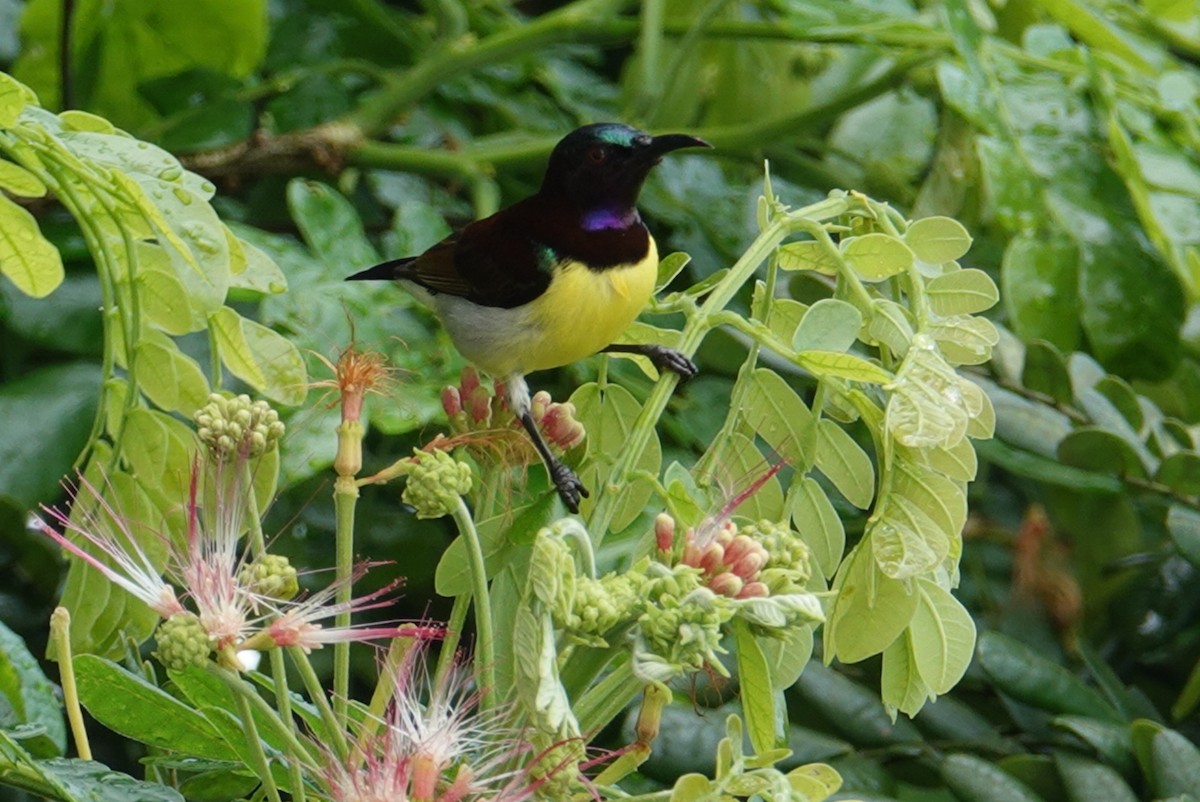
{"points": [[385, 271]]}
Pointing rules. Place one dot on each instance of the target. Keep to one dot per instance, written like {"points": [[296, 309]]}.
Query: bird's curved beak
{"points": [[665, 143]]}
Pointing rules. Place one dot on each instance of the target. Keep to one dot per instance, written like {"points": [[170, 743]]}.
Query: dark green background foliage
{"points": [[1063, 133]]}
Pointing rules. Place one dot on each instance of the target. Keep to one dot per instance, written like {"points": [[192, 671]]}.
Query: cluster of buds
{"points": [[271, 576], [599, 606], [751, 561], [680, 626], [237, 427], [473, 410], [435, 482]]}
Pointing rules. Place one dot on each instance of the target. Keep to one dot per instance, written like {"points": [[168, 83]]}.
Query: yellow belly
{"points": [[583, 311], [580, 313]]}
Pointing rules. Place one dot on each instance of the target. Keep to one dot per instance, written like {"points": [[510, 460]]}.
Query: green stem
{"points": [[312, 684], [605, 700], [454, 629], [60, 634], [485, 660], [345, 499], [283, 705], [262, 766], [741, 386]]}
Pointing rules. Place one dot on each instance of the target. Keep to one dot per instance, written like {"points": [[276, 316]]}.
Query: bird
{"points": [[553, 278]]}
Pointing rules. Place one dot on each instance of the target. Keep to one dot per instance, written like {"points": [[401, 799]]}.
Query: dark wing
{"points": [[497, 261]]}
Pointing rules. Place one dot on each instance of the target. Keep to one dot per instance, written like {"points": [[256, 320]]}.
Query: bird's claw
{"points": [[570, 488], [665, 358]]}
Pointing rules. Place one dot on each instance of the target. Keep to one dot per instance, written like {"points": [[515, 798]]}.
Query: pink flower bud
{"points": [[451, 401], [754, 590], [713, 559], [726, 584], [664, 532], [468, 381], [749, 564]]}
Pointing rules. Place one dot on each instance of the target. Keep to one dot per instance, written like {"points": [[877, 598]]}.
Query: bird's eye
{"points": [[597, 155]]}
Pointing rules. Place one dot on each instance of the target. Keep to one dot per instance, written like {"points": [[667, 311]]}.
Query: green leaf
{"points": [[75, 780], [974, 779], [809, 255], [1046, 372], [842, 366], [18, 181], [609, 415], [962, 292], [49, 414], [818, 524], [160, 450], [330, 225], [754, 681], [261, 273], [828, 325], [845, 463], [264, 359], [1111, 741], [778, 415], [171, 379], [1039, 277], [165, 299], [937, 240], [123, 47], [1030, 678], [127, 704], [787, 655], [14, 96], [900, 685], [1089, 781], [1095, 449], [891, 325], [853, 711], [870, 610], [1180, 472], [1100, 33], [31, 699], [669, 267], [1169, 760], [942, 637], [1132, 318], [876, 256], [1184, 525], [31, 263]]}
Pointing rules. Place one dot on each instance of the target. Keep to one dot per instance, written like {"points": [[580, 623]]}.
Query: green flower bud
{"points": [[679, 630], [237, 426], [182, 642], [272, 575], [435, 481]]}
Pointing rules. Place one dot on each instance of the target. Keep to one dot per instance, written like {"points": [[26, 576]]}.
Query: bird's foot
{"points": [[665, 358], [570, 488]]}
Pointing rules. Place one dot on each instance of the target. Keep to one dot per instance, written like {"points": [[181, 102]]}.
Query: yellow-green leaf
{"points": [[818, 524], [808, 255], [171, 379], [962, 292], [26, 257], [264, 359], [938, 239], [876, 256], [18, 181], [844, 463], [780, 417], [943, 637], [14, 96], [842, 366]]}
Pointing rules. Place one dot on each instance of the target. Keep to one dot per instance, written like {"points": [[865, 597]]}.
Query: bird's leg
{"points": [[570, 488], [664, 358]]}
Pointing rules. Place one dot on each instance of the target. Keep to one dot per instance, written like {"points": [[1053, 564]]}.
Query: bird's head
{"points": [[602, 166]]}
